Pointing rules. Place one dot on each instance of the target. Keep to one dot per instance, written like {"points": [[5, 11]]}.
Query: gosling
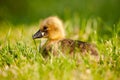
{"points": [[52, 29]]}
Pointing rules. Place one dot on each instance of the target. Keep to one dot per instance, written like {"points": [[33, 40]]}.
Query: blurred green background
{"points": [[30, 11], [94, 21]]}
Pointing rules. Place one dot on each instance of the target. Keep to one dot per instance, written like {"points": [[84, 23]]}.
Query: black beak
{"points": [[38, 34]]}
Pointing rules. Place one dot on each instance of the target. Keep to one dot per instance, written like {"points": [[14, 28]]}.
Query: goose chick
{"points": [[52, 29]]}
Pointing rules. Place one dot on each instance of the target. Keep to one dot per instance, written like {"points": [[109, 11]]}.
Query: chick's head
{"points": [[51, 28]]}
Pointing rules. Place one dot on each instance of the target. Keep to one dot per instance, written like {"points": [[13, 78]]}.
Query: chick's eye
{"points": [[45, 27]]}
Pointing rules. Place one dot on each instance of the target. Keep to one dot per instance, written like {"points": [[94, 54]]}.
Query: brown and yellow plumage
{"points": [[52, 29]]}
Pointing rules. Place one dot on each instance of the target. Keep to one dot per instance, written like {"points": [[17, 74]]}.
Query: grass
{"points": [[20, 59]]}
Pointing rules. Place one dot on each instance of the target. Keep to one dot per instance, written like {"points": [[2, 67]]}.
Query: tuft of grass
{"points": [[21, 60]]}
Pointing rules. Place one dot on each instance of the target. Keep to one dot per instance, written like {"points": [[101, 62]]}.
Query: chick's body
{"points": [[68, 46], [52, 29]]}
